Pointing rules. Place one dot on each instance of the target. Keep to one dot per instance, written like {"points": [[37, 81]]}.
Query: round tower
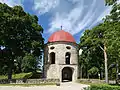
{"points": [[61, 57]]}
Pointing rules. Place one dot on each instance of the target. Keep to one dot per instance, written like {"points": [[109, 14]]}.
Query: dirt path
{"points": [[63, 86]]}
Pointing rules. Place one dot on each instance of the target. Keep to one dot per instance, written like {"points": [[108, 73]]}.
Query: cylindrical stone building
{"points": [[61, 57]]}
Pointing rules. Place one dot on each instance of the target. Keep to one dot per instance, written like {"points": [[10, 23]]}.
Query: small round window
{"points": [[52, 47], [68, 47]]}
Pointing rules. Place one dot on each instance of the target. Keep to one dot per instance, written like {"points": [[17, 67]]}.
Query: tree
{"points": [[90, 44], [110, 2], [20, 32], [29, 63], [114, 17], [104, 37], [109, 31]]}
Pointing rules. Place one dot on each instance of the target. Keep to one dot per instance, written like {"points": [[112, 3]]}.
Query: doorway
{"points": [[67, 74]]}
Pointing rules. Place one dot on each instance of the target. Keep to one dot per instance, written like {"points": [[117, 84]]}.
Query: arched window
{"points": [[52, 57], [67, 58]]}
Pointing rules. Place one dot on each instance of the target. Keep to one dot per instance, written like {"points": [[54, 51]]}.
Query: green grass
{"points": [[3, 77], [16, 76]]}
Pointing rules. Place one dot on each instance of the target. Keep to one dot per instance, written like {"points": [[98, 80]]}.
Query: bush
{"points": [[93, 71], [29, 63], [103, 87], [28, 75]]}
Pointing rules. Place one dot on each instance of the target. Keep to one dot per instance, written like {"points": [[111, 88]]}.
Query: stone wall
{"points": [[90, 81], [60, 50], [29, 81], [54, 71]]}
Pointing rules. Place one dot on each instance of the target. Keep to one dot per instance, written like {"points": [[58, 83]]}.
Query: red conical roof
{"points": [[61, 35]]}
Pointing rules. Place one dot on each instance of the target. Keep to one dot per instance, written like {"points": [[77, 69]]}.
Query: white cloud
{"points": [[43, 6], [87, 19], [102, 15], [12, 2], [67, 19], [73, 15]]}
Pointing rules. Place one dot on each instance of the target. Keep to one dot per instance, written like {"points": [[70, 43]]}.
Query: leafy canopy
{"points": [[20, 34]]}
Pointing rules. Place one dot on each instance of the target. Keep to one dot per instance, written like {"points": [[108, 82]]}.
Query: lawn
{"points": [[17, 76]]}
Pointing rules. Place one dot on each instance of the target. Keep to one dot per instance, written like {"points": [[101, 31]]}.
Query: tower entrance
{"points": [[67, 74]]}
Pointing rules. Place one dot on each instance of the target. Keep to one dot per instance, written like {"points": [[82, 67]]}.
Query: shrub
{"points": [[93, 71], [102, 87], [28, 75]]}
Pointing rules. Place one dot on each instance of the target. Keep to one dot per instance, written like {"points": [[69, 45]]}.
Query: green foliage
{"points": [[110, 2], [19, 30], [18, 76], [20, 33], [93, 71], [3, 77], [27, 76], [36, 75], [102, 87], [92, 55], [29, 63], [3, 68], [112, 74], [93, 41], [114, 14]]}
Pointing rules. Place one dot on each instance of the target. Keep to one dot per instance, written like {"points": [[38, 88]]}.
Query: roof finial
{"points": [[61, 27]]}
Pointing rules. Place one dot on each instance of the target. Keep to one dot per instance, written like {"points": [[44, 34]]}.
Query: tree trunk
{"points": [[10, 73], [117, 71], [101, 75], [81, 72], [10, 66], [106, 69]]}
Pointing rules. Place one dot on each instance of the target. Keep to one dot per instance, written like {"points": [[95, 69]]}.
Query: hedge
{"points": [[103, 87]]}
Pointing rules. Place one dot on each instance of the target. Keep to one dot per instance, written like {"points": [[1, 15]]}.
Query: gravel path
{"points": [[63, 86]]}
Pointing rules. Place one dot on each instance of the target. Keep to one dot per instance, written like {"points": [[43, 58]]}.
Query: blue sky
{"points": [[74, 15]]}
